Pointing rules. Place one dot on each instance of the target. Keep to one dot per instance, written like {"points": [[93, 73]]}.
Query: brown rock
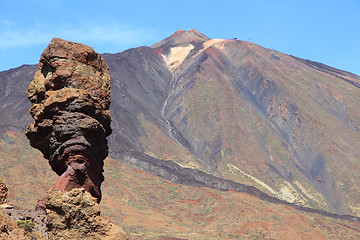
{"points": [[3, 193], [70, 96], [76, 215], [21, 222], [9, 226], [9, 229]]}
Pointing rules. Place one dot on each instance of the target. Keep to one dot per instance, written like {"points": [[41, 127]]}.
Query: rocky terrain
{"points": [[71, 214], [19, 224], [76, 215], [219, 117]]}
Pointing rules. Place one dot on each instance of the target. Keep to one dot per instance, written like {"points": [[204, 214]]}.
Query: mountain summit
{"points": [[191, 36]]}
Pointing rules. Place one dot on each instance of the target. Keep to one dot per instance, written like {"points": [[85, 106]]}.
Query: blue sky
{"points": [[319, 30]]}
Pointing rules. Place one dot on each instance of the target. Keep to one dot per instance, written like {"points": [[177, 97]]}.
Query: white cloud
{"points": [[109, 33], [117, 35]]}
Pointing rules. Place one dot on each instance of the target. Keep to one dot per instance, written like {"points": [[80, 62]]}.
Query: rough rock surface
{"points": [[7, 225], [17, 223], [70, 96], [3, 193], [9, 229], [76, 215]]}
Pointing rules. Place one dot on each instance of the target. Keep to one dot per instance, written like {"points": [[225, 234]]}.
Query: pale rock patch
{"points": [[218, 42], [211, 42], [177, 55]]}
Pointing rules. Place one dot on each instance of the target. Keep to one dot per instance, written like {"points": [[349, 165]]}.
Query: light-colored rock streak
{"points": [[177, 56], [174, 60], [233, 168], [219, 43], [287, 191]]}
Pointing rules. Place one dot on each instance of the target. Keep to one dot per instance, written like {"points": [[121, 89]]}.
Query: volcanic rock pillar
{"points": [[70, 96]]}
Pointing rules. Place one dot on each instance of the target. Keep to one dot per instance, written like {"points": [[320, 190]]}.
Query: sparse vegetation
{"points": [[28, 226]]}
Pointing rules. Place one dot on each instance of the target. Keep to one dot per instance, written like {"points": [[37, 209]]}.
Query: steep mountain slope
{"points": [[14, 105], [231, 109]]}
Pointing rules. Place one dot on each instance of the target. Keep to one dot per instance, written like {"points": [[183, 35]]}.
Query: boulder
{"points": [[76, 215]]}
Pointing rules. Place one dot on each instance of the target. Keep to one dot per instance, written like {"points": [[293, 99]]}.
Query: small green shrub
{"points": [[27, 225]]}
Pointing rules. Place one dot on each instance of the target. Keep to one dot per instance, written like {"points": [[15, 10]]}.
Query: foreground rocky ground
{"points": [[69, 215]]}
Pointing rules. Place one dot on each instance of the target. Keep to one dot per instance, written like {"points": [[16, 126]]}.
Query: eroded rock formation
{"points": [[70, 96], [76, 215]]}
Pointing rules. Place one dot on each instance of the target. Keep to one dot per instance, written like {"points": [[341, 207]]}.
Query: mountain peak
{"points": [[192, 32], [182, 37], [177, 47]]}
